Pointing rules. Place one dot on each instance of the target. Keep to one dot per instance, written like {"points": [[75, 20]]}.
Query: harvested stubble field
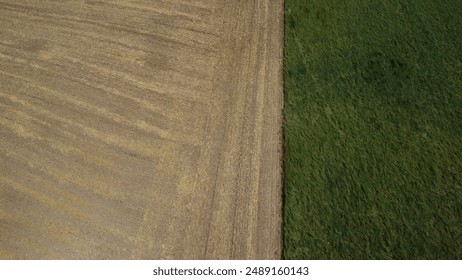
{"points": [[139, 129], [373, 129]]}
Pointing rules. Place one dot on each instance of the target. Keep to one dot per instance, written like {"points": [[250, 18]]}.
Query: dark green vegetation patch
{"points": [[373, 129]]}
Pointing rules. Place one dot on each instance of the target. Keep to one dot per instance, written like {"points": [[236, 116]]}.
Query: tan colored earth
{"points": [[140, 129]]}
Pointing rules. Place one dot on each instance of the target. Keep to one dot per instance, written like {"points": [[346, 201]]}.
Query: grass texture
{"points": [[373, 129]]}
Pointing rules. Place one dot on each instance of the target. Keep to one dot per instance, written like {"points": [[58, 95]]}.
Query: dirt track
{"points": [[140, 129]]}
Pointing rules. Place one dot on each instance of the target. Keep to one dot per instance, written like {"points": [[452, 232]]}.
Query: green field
{"points": [[373, 129]]}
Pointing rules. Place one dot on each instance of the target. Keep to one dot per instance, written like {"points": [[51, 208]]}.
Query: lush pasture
{"points": [[373, 129]]}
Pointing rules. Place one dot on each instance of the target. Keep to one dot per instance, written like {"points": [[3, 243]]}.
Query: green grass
{"points": [[373, 129]]}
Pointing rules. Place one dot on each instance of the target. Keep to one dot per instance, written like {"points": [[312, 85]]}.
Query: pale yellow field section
{"points": [[140, 129]]}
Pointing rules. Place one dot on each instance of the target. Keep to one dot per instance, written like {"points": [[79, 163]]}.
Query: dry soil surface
{"points": [[139, 129]]}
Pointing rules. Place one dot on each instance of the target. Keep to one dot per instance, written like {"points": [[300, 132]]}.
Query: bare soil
{"points": [[140, 129]]}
